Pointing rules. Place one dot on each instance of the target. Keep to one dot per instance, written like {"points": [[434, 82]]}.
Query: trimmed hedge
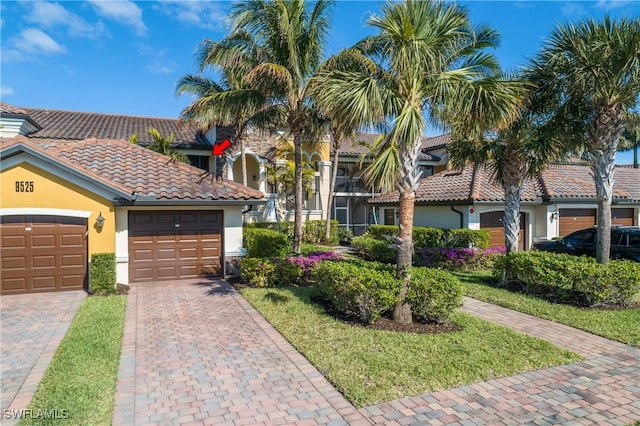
{"points": [[353, 289], [281, 272], [460, 259], [434, 294], [313, 231], [435, 237], [103, 273], [264, 243], [378, 250], [571, 279]]}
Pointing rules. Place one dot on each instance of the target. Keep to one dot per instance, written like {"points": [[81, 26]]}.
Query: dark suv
{"points": [[625, 243]]}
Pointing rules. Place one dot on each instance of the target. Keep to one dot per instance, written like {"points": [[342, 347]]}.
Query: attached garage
{"points": [[43, 253], [623, 217], [168, 245], [572, 220], [492, 221]]}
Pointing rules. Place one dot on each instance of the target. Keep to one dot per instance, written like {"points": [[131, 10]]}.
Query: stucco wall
{"points": [[53, 195], [438, 216]]}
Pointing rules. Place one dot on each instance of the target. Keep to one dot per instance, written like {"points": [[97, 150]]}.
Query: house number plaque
{"points": [[24, 186]]}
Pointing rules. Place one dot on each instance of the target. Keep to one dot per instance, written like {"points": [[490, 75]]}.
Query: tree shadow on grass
{"points": [[276, 298]]}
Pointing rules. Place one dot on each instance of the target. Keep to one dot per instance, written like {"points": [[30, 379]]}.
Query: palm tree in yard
{"points": [[631, 136], [426, 63], [231, 101], [591, 71], [286, 38], [513, 154]]}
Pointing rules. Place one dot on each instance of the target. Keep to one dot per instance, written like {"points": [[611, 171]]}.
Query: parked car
{"points": [[625, 243]]}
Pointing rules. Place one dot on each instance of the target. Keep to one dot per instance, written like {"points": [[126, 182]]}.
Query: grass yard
{"points": [[83, 373], [620, 325], [370, 366]]}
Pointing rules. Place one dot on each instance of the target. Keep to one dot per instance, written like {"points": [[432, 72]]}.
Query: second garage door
{"points": [[622, 217], [167, 245], [572, 220]]}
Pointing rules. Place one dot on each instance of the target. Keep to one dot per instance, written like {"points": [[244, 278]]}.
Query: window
{"points": [[199, 161], [582, 237], [389, 216]]}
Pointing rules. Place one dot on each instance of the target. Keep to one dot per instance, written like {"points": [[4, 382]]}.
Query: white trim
{"points": [[45, 211]]}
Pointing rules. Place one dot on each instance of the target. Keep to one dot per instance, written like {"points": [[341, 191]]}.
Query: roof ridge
{"points": [[111, 114], [474, 189]]}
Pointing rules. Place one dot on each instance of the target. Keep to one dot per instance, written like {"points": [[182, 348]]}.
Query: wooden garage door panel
{"points": [[572, 220], [492, 221], [43, 253], [622, 217], [168, 245]]}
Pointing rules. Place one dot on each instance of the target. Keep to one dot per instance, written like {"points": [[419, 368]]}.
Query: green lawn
{"points": [[370, 366], [81, 378], [620, 325]]}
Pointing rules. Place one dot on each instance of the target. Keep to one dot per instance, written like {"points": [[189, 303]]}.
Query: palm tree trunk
{"points": [[402, 309], [332, 187], [297, 229], [635, 156], [243, 161], [604, 133]]}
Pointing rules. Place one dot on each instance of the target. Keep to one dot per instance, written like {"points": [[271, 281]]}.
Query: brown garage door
{"points": [[622, 217], [572, 220], [43, 253], [492, 222], [167, 245]]}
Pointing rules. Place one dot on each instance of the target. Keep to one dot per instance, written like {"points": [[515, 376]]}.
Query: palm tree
{"points": [[232, 101], [513, 154], [591, 71], [161, 145], [286, 39], [631, 136], [425, 64]]}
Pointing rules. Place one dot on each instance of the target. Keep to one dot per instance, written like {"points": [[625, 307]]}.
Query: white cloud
{"points": [[572, 9], [6, 91], [49, 15], [612, 4], [158, 63], [30, 44], [123, 11], [208, 15]]}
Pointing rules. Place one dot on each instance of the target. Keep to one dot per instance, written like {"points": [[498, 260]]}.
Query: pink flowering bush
{"points": [[460, 259]]}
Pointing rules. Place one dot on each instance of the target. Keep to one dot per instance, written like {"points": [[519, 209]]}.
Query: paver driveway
{"points": [[32, 326], [196, 352]]}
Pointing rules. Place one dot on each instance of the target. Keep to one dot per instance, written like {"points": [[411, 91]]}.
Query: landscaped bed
{"points": [[622, 325], [81, 379], [369, 366]]}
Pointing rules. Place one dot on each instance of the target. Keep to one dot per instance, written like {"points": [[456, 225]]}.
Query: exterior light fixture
{"points": [[100, 221], [554, 216]]}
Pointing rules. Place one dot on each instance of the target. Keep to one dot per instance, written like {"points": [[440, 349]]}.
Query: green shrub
{"points": [[434, 294], [308, 248], [379, 232], [103, 273], [313, 231], [355, 289], [571, 279], [264, 243], [463, 238], [286, 273], [375, 249], [426, 237], [344, 235], [256, 271]]}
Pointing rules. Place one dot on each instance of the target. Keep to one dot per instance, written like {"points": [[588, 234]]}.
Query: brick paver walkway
{"points": [[32, 326], [197, 353], [604, 389]]}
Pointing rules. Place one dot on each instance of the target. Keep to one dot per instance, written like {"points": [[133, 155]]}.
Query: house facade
{"points": [[560, 200], [66, 197]]}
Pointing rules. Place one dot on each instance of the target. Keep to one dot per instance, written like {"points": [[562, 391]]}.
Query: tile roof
{"points": [[138, 171], [354, 148], [562, 182], [436, 142], [73, 125], [10, 109]]}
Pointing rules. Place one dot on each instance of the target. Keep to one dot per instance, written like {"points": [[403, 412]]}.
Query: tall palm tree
{"points": [[591, 71], [425, 63], [513, 154], [286, 38], [230, 102], [631, 136]]}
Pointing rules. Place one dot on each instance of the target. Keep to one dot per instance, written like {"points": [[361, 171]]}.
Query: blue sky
{"points": [[125, 57]]}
